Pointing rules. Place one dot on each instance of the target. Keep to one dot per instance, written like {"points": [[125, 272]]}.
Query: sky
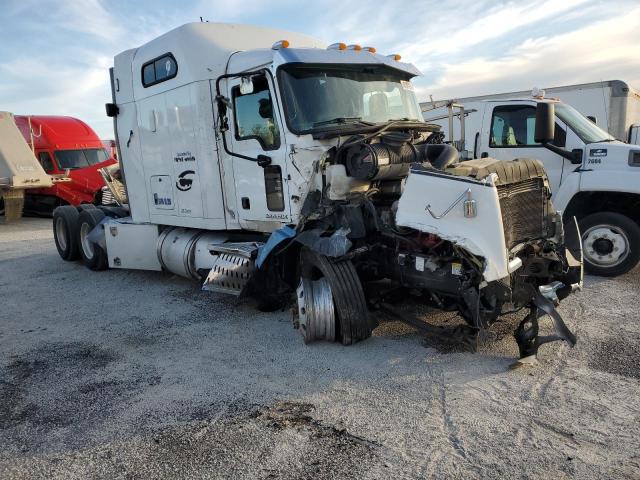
{"points": [[55, 54]]}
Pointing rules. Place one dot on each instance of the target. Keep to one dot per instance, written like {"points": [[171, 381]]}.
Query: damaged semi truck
{"points": [[261, 161]]}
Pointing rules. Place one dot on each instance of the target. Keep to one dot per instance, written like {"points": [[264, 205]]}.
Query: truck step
{"points": [[233, 267]]}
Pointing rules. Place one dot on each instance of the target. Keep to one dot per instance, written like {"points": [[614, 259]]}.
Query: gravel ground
{"points": [[124, 374]]}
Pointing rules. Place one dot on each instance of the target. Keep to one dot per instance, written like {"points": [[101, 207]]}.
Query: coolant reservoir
{"points": [[340, 185]]}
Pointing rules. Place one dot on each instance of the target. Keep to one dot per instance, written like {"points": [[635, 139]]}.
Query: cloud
{"points": [[56, 54], [603, 50], [48, 17], [497, 22]]}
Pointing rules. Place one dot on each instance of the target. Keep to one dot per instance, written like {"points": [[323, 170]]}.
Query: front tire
{"points": [[352, 320], [93, 255], [610, 243], [65, 225]]}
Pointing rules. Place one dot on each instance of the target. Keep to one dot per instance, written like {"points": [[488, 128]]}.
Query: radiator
{"points": [[524, 208]]}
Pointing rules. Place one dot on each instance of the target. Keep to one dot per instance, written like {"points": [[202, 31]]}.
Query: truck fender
{"points": [[569, 187], [335, 245]]}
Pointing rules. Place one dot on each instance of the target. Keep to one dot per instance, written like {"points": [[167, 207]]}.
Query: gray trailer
{"points": [[19, 168]]}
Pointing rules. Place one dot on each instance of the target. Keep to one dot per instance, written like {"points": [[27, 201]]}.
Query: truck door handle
{"points": [[484, 155]]}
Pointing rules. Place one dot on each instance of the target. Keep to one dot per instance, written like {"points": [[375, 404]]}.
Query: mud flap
{"points": [[97, 234], [527, 332]]}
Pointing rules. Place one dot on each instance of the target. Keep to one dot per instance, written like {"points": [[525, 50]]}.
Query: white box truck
{"points": [[594, 177], [613, 105], [262, 161]]}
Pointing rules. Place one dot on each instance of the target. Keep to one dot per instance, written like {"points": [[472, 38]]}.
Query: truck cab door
{"points": [[508, 133], [255, 129]]}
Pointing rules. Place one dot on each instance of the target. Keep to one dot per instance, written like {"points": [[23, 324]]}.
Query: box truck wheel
{"points": [[330, 291], [93, 255], [65, 225], [610, 243]]}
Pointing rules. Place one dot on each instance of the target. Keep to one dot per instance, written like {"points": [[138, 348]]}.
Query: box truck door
{"points": [[255, 129], [634, 134], [508, 133]]}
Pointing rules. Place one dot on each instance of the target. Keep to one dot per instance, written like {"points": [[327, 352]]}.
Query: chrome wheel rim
{"points": [[316, 311], [87, 246], [605, 245], [61, 233]]}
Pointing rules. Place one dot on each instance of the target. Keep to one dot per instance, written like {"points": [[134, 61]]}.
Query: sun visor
{"points": [[351, 57]]}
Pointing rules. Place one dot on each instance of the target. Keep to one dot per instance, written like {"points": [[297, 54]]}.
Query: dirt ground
{"points": [[125, 374]]}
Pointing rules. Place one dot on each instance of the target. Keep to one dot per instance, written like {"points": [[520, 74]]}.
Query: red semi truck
{"points": [[64, 146]]}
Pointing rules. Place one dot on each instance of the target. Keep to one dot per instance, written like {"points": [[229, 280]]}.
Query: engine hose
{"points": [[439, 155]]}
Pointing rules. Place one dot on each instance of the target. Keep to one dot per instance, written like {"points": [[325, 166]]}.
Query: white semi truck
{"points": [[261, 161], [594, 177]]}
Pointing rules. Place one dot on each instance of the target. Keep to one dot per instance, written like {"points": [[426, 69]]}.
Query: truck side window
{"points": [[159, 69], [253, 115], [515, 126], [46, 162]]}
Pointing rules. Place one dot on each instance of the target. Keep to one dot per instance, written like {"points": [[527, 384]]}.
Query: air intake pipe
{"points": [[440, 155]]}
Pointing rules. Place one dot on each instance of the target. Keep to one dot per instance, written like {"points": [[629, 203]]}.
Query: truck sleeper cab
{"points": [[593, 176], [302, 173]]}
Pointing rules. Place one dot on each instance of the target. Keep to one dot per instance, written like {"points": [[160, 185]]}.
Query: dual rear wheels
{"points": [[72, 232]]}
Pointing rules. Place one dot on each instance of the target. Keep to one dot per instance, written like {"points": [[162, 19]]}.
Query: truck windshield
{"points": [[72, 159], [588, 131], [321, 96]]}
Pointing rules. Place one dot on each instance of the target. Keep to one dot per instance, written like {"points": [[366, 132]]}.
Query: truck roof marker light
{"points": [[280, 44], [370, 49], [355, 47], [537, 93], [337, 46], [395, 57]]}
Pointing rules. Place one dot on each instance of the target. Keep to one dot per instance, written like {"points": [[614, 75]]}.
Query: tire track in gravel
{"points": [[537, 393], [447, 427]]}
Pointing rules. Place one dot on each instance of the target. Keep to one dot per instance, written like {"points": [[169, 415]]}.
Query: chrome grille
{"points": [[107, 197]]}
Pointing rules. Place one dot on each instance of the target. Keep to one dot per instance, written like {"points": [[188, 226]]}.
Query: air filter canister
{"points": [[377, 161]]}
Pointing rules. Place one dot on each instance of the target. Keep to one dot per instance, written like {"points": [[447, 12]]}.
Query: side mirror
{"points": [[111, 109], [545, 122], [246, 85]]}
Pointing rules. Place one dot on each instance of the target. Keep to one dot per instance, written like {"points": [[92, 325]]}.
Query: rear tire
{"points": [[65, 226], [353, 322], [93, 255], [610, 243]]}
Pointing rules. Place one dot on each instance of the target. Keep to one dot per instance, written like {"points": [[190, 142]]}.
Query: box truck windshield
{"points": [[73, 159], [588, 131], [315, 96]]}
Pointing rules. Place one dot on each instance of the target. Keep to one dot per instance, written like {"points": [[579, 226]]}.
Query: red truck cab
{"points": [[64, 145]]}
